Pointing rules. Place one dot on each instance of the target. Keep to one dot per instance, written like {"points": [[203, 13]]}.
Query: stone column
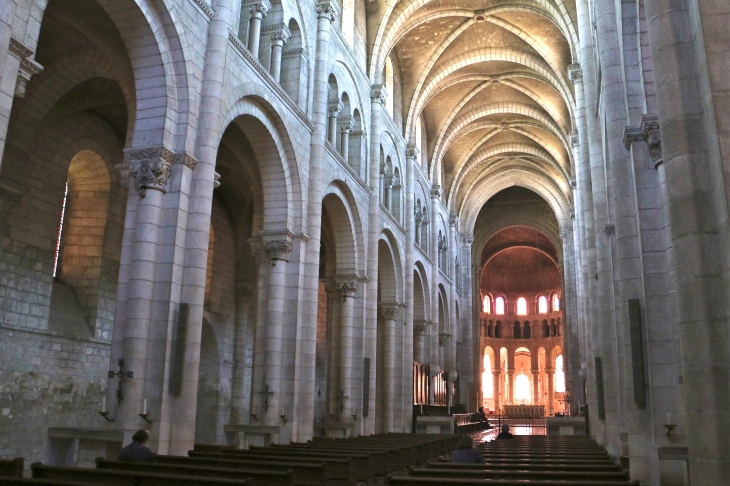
{"points": [[417, 232], [346, 123], [303, 411], [242, 355], [388, 180], [510, 385], [696, 185], [451, 270], [258, 11], [348, 291], [334, 107], [419, 340], [496, 377], [550, 376], [389, 313], [279, 35], [409, 326], [377, 98], [436, 357]]}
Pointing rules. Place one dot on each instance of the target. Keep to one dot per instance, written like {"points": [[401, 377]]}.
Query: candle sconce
{"points": [[354, 415], [669, 428], [106, 416], [343, 397], [144, 416], [255, 416], [267, 392], [282, 415]]}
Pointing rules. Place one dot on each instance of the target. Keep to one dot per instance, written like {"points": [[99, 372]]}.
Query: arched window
{"points": [[553, 328], [526, 331], [522, 388], [545, 328], [487, 378], [517, 330], [542, 306], [487, 305], [60, 232], [559, 375], [490, 329], [498, 329], [521, 306], [556, 303], [499, 306]]}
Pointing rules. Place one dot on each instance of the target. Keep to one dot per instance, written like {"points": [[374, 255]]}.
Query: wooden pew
{"points": [[365, 465], [418, 481], [387, 460], [342, 468], [282, 477], [11, 468], [524, 467], [8, 481], [587, 475], [306, 473], [125, 478]]}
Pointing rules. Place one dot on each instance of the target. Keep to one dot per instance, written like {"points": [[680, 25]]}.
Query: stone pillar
{"points": [[304, 369], [377, 98], [389, 313], [510, 385], [419, 341], [279, 35], [277, 253], [346, 123], [408, 325], [242, 355], [388, 180], [436, 357], [451, 270], [258, 11], [348, 291], [535, 386], [496, 377], [696, 185], [417, 233], [550, 377], [334, 107]]}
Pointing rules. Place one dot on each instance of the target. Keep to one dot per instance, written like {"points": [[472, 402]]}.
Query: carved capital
{"points": [[388, 312], [346, 122], [631, 135], [348, 288], [411, 152], [216, 180], [418, 217], [575, 73], [378, 93], [334, 107], [28, 67], [150, 167], [453, 220], [278, 32], [650, 129], [261, 7], [609, 229], [18, 49], [327, 10], [278, 250], [436, 191]]}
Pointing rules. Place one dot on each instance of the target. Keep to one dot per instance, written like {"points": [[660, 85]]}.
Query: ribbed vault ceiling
{"points": [[490, 80]]}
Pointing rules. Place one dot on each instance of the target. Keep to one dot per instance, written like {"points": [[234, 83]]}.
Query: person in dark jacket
{"points": [[505, 434], [465, 452], [137, 450]]}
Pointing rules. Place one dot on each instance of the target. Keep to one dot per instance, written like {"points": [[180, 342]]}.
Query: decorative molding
{"points": [[631, 135], [216, 180], [204, 8], [575, 73], [609, 229], [436, 191], [334, 107], [328, 9], [346, 122], [650, 129], [278, 32], [187, 160], [27, 68], [348, 288], [151, 167], [378, 93], [256, 64], [297, 51], [18, 49], [453, 220], [278, 250], [419, 329]]}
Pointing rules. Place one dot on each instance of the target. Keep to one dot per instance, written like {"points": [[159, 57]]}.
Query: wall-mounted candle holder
{"points": [[104, 412], [144, 413]]}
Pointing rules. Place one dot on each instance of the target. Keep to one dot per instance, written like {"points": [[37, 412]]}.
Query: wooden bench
{"points": [[491, 473], [525, 467], [11, 468], [282, 477], [8, 481], [417, 481], [365, 465], [305, 474], [125, 478], [341, 468], [386, 460]]}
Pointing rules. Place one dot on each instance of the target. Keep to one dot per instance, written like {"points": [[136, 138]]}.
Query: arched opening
{"points": [[542, 305], [294, 76], [499, 306], [521, 306]]}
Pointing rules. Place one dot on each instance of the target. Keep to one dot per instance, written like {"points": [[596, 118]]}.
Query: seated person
{"points": [[465, 452], [505, 434], [137, 451]]}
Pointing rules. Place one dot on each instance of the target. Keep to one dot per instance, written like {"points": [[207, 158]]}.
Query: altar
{"points": [[524, 411]]}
